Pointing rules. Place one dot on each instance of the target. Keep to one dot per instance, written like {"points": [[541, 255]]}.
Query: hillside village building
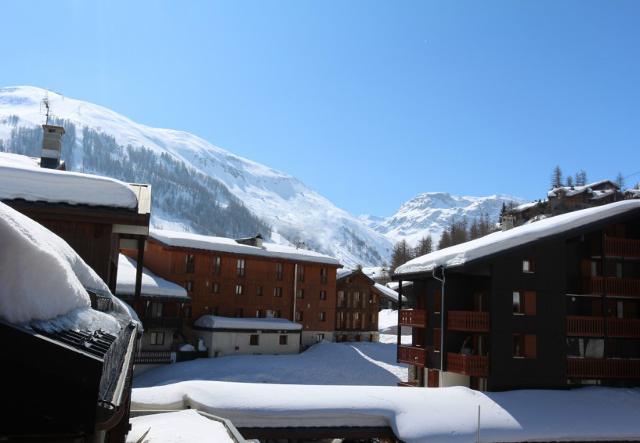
{"points": [[551, 304], [357, 306], [248, 278]]}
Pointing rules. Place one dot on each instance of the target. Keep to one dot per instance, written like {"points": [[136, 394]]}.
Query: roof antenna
{"points": [[45, 104]]}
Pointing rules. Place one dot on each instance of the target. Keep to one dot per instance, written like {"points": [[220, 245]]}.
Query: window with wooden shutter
{"points": [[524, 346], [530, 300]]}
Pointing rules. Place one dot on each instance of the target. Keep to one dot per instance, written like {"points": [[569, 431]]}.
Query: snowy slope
{"points": [[432, 212], [294, 212]]}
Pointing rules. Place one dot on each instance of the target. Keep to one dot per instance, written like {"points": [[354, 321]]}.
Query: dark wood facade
{"points": [[356, 308], [265, 287], [553, 313]]}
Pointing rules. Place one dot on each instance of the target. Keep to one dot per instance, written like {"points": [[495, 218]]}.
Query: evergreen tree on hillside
{"points": [[569, 181], [402, 253], [581, 178], [445, 240], [556, 177], [425, 246]]}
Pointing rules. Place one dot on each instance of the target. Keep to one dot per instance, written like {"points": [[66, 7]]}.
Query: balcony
{"points": [[602, 368], [416, 318], [412, 355], [472, 365], [621, 247], [153, 357], [468, 321], [583, 326], [622, 287], [623, 327]]}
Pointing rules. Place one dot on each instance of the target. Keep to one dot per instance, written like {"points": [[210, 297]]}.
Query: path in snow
{"points": [[326, 363]]}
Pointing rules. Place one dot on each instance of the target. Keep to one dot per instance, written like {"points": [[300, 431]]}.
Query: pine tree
{"points": [[556, 177], [620, 181], [402, 253], [424, 247], [581, 178], [569, 181], [445, 240]]}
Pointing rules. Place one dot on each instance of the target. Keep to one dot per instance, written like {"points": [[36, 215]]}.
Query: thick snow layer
{"points": [[152, 285], [376, 272], [499, 241], [276, 324], [177, 427], [388, 328], [342, 273], [20, 179], [444, 415], [293, 210], [41, 277], [358, 363], [223, 244], [388, 292], [571, 191]]}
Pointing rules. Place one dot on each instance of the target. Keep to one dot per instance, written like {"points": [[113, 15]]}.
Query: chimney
{"points": [[507, 222], [51, 146]]}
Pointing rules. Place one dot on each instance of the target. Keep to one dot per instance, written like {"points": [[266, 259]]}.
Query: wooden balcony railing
{"points": [[583, 326], [603, 368], [627, 287], [153, 357], [621, 247], [468, 321], [413, 317], [623, 327], [412, 355], [472, 365]]}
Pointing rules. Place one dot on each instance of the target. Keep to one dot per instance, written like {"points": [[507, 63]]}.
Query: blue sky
{"points": [[368, 102]]}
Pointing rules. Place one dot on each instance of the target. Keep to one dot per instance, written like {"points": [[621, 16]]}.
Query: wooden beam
{"points": [[139, 266]]}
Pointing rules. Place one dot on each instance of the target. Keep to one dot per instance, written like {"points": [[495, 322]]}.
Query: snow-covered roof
{"points": [[445, 415], [570, 191], [500, 241], [43, 280], [376, 272], [21, 178], [152, 285], [597, 194], [179, 426], [223, 244], [344, 272], [524, 206], [248, 323], [394, 285], [632, 193], [388, 292]]}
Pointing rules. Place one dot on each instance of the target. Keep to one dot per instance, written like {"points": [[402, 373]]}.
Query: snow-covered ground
{"points": [[444, 415], [325, 363], [388, 327], [177, 427]]}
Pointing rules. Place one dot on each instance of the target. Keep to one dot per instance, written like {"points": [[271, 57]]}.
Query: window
{"points": [[298, 315], [215, 287], [300, 273], [340, 299], [239, 289], [186, 311], [157, 338], [340, 322], [217, 264], [188, 285], [259, 290], [527, 266], [524, 303], [277, 292], [322, 316], [300, 293], [374, 319], [283, 339], [279, 271], [524, 346], [190, 260], [240, 267], [156, 310], [259, 313], [323, 295], [254, 340], [323, 275], [356, 298]]}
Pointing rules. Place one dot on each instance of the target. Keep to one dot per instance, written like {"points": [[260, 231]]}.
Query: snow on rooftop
{"points": [[444, 415], [499, 241], [524, 206], [395, 285], [390, 293], [152, 285], [216, 322], [177, 427], [20, 178], [344, 272], [43, 280], [376, 272], [570, 191], [223, 244]]}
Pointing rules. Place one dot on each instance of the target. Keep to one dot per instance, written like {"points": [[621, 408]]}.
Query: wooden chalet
{"points": [[248, 278], [356, 306], [552, 304]]}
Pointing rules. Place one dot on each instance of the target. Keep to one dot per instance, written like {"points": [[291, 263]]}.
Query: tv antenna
{"points": [[45, 108]]}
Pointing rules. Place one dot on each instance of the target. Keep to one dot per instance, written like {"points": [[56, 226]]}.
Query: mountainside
{"points": [[197, 186], [432, 212]]}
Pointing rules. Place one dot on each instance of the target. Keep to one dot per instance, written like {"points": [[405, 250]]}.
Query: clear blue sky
{"points": [[368, 102]]}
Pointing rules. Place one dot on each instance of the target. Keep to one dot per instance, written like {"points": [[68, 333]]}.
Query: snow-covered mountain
{"points": [[431, 212], [197, 186]]}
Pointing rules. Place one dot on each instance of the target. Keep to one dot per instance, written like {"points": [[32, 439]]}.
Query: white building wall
{"points": [[452, 379], [220, 343], [312, 337]]}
